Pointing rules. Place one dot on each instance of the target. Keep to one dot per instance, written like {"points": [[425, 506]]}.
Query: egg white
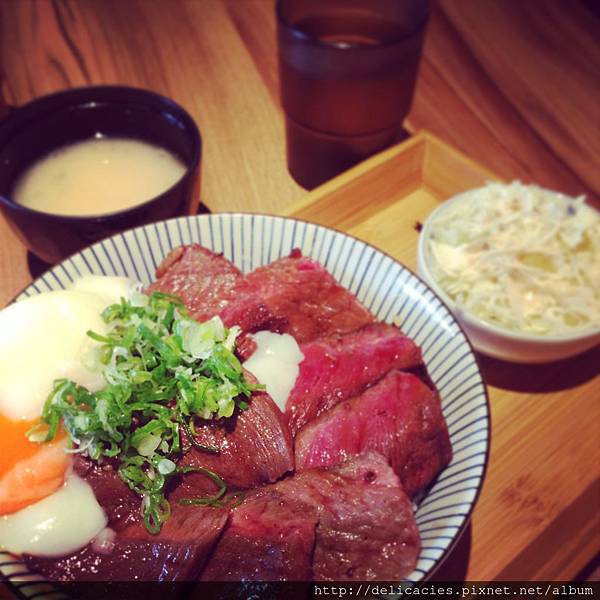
{"points": [[57, 525], [43, 338]]}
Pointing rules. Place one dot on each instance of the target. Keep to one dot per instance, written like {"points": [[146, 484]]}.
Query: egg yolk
{"points": [[28, 471], [15, 445]]}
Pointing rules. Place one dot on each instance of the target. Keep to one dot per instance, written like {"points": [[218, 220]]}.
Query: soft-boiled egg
{"points": [[43, 338]]}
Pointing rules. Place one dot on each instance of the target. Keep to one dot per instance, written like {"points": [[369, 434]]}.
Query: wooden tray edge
{"points": [[423, 141]]}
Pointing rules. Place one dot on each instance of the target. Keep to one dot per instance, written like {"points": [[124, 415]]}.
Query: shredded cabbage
{"points": [[520, 257]]}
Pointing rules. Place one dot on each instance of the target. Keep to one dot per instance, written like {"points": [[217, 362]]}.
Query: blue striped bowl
{"points": [[392, 292]]}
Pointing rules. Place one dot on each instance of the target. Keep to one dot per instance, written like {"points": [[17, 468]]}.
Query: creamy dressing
{"points": [[43, 338], [276, 364], [98, 176], [57, 525]]}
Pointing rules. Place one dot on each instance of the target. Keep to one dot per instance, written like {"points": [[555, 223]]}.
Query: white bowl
{"points": [[394, 295], [496, 341]]}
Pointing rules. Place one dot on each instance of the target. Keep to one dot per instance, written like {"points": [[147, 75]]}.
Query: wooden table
{"points": [[513, 85]]}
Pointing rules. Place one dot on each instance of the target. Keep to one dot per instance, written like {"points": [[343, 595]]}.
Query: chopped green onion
{"points": [[162, 370], [186, 427]]}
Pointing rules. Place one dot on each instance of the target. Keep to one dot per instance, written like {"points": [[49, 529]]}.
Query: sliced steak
{"points": [[400, 418], [338, 367], [366, 527], [177, 553], [305, 300], [270, 537], [211, 285], [255, 447]]}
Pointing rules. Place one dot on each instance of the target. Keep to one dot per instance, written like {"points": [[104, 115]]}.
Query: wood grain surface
{"points": [[513, 85]]}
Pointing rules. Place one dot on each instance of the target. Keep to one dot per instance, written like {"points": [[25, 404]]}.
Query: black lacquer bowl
{"points": [[35, 129]]}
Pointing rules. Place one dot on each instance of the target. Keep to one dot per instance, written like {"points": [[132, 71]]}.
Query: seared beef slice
{"points": [[255, 447], [177, 553], [367, 529], [338, 367], [400, 418], [210, 285], [305, 299], [270, 537]]}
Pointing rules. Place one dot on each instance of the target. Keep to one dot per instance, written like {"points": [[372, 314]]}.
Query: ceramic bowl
{"points": [[496, 341], [387, 288], [35, 129]]}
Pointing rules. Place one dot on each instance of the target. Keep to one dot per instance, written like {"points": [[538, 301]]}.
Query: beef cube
{"points": [[338, 367], [211, 285], [254, 447], [269, 538], [400, 418], [305, 300], [367, 529]]}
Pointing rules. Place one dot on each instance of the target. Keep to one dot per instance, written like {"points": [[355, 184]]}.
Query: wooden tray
{"points": [[383, 199], [537, 517]]}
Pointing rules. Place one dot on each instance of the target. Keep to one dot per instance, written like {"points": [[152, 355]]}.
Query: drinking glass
{"points": [[347, 72]]}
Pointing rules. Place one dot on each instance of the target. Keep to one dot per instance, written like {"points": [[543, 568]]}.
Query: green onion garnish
{"points": [[162, 370]]}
